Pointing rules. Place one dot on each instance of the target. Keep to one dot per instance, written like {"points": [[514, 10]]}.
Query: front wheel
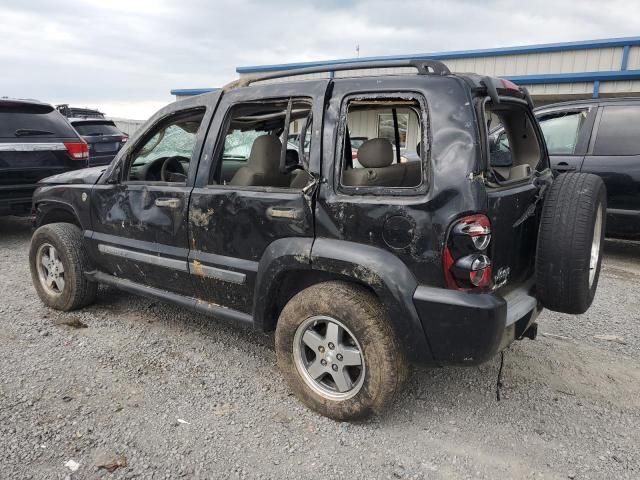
{"points": [[58, 260], [338, 352]]}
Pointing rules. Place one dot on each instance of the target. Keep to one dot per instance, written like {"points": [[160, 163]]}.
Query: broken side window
{"points": [[261, 144]]}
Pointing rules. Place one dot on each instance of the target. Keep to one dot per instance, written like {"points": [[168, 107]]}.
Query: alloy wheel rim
{"points": [[595, 247], [329, 358], [50, 269]]}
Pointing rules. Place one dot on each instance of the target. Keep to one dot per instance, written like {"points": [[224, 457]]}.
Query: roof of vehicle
{"points": [[588, 101], [25, 102]]}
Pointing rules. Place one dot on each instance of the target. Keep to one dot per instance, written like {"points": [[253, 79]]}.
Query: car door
{"points": [[567, 132], [614, 155], [234, 222], [139, 213]]}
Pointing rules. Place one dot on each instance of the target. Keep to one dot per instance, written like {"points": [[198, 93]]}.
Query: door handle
{"points": [[168, 202], [285, 212], [564, 167]]}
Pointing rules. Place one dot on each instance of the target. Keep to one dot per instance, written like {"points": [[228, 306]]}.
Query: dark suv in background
{"points": [[36, 142], [103, 137], [600, 136]]}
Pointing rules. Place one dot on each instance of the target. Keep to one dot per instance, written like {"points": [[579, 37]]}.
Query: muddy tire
{"points": [[338, 352], [58, 260], [570, 242]]}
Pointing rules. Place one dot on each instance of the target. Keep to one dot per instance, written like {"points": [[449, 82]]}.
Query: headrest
{"points": [[292, 158], [265, 154], [375, 153]]}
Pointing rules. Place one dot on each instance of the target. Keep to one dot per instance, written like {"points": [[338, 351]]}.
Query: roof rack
{"points": [[424, 67], [75, 112]]}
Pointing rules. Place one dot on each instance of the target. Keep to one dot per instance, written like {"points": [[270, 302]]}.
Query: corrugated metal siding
{"points": [[556, 62], [627, 87], [634, 58], [580, 88]]}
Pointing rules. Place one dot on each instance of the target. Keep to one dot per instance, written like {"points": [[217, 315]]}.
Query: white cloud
{"points": [[125, 56]]}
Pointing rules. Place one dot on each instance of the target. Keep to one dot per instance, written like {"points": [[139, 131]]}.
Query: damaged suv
{"points": [[362, 268]]}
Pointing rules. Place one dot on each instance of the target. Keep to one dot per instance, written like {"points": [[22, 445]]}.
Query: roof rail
{"points": [[424, 67]]}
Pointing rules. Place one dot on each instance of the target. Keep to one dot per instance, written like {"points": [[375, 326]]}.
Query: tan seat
{"points": [[376, 158], [263, 165], [519, 172]]}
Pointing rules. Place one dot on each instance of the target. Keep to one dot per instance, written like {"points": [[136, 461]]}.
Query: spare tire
{"points": [[570, 241]]}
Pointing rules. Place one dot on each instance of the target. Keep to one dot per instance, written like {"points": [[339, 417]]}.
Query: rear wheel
{"points": [[338, 352], [570, 242], [58, 260]]}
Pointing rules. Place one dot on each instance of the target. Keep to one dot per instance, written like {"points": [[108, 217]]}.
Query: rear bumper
{"points": [[469, 329]]}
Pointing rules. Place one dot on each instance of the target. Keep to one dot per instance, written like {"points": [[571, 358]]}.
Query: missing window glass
{"points": [[261, 146], [515, 149], [382, 143]]}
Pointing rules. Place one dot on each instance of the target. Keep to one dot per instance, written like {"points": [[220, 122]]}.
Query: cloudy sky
{"points": [[124, 56]]}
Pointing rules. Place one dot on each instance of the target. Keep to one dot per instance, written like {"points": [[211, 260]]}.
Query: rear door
{"points": [[514, 232], [234, 217], [614, 155], [33, 145]]}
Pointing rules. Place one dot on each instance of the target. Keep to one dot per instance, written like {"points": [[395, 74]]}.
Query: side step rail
{"points": [[208, 308]]}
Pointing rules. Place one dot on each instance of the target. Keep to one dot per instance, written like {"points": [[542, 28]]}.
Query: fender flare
{"points": [[281, 256], [378, 269], [45, 207]]}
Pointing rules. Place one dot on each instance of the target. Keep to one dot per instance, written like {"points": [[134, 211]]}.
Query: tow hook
{"points": [[532, 332]]}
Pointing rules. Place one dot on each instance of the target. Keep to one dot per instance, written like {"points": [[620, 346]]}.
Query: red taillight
{"points": [[77, 150], [465, 263], [480, 272], [447, 265], [509, 85], [476, 227]]}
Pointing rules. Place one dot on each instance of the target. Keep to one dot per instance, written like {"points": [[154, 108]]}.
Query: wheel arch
{"points": [[56, 212], [291, 265]]}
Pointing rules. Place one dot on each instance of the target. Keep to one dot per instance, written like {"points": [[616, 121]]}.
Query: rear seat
{"points": [[376, 157]]}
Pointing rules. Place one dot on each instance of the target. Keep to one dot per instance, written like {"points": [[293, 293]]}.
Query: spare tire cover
{"points": [[570, 242]]}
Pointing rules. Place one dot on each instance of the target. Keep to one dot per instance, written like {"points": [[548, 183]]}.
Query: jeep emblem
{"points": [[501, 277]]}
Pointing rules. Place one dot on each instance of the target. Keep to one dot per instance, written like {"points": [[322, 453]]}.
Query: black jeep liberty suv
{"points": [[425, 250]]}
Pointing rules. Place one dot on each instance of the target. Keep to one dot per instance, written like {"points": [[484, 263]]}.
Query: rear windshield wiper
{"points": [[23, 132]]}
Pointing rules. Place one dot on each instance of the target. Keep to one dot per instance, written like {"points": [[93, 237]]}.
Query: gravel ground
{"points": [[174, 394]]}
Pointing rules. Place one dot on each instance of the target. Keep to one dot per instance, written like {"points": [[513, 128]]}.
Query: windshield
{"points": [[177, 139]]}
